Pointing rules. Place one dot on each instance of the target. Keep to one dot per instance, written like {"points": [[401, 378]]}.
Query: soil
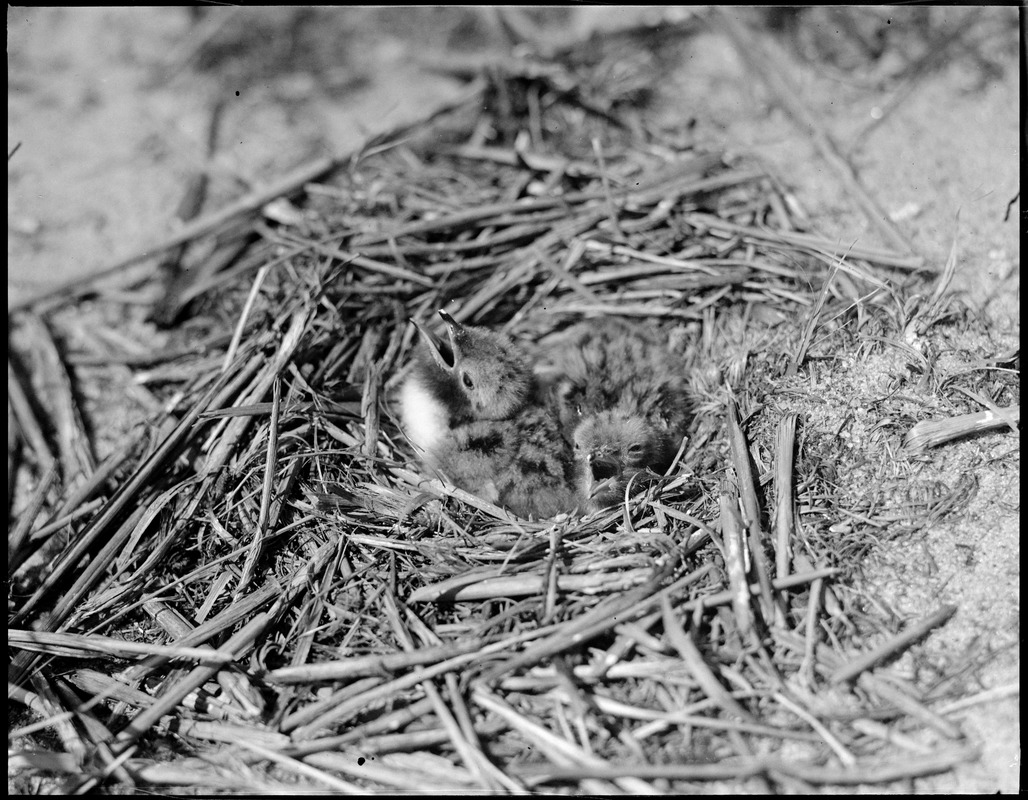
{"points": [[111, 108]]}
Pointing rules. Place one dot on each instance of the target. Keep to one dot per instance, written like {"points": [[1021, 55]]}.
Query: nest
{"points": [[261, 591]]}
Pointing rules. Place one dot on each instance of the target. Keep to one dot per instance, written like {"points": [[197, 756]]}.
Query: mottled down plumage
{"points": [[472, 409], [521, 463], [621, 400]]}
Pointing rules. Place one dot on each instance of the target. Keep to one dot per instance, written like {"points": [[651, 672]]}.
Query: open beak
{"points": [[443, 353], [601, 474], [604, 467], [459, 344], [458, 336]]}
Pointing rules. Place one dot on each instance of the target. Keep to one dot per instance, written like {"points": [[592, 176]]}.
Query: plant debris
{"points": [[257, 593]]}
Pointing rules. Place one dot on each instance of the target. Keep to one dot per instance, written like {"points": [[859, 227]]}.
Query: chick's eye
{"points": [[466, 380], [635, 449]]}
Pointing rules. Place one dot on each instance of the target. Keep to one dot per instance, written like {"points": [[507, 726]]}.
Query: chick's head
{"points": [[610, 449], [483, 375]]}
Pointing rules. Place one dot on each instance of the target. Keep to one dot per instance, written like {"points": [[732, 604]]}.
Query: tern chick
{"points": [[477, 375], [611, 448], [620, 391], [471, 409], [522, 463]]}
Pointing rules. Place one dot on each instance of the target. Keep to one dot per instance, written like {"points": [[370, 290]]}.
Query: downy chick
{"points": [[477, 375], [470, 408], [621, 397], [611, 448]]}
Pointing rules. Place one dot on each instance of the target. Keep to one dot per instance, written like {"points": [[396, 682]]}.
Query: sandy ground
{"points": [[110, 114]]}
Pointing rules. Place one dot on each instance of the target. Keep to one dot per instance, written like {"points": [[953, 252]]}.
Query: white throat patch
{"points": [[425, 419]]}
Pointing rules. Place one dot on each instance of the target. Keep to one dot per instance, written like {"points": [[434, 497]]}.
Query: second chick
{"points": [[620, 394]]}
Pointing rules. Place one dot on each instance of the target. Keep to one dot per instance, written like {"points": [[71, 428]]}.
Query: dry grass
{"points": [[258, 592]]}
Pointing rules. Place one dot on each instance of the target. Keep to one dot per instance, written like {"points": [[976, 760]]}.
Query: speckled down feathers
{"points": [[522, 463], [475, 414], [621, 398]]}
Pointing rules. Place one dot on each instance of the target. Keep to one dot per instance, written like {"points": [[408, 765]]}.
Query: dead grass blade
{"points": [[893, 646], [261, 530], [77, 646], [785, 500], [555, 748], [55, 394], [306, 770], [751, 509], [364, 666], [693, 659], [29, 428], [733, 538], [819, 245], [934, 432], [16, 538], [905, 700], [740, 767]]}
